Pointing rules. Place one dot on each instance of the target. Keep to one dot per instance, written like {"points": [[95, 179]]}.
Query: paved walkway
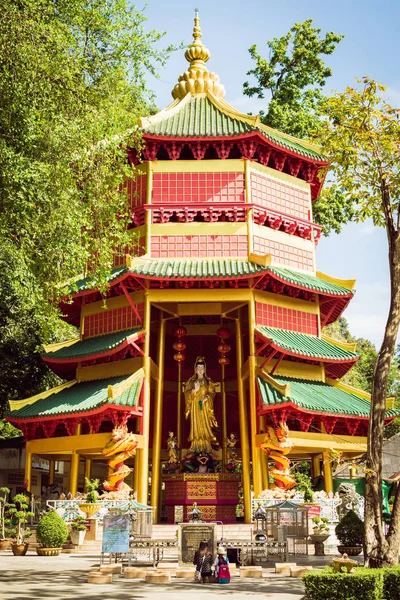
{"points": [[65, 576]]}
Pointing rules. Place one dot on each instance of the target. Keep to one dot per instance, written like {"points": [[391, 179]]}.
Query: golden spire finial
{"points": [[197, 79]]}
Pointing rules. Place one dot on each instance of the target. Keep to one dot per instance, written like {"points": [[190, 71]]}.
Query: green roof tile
{"points": [[218, 268], [178, 269], [306, 345], [200, 117], [316, 396], [310, 282], [90, 346], [79, 398]]}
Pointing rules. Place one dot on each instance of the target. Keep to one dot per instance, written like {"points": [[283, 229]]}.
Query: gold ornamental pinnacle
{"points": [[197, 79]]}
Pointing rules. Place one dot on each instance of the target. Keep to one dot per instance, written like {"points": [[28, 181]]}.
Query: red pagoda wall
{"points": [[286, 318]]}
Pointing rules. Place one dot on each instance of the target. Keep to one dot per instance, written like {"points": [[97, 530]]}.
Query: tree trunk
{"points": [[380, 550]]}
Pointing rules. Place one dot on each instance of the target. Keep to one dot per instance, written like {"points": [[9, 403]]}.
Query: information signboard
{"points": [[190, 536], [115, 534]]}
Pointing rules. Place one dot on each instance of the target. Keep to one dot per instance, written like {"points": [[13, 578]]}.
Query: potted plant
{"points": [[91, 506], [320, 525], [17, 514], [78, 531], [350, 532], [4, 491], [51, 533]]}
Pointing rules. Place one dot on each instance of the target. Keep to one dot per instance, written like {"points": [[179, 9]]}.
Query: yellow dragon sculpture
{"points": [[123, 445], [277, 445]]}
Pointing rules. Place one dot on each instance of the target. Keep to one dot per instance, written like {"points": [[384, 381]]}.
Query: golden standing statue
{"points": [[199, 397]]}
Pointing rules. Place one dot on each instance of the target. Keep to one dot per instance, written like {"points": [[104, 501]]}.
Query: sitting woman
{"points": [[203, 566], [221, 564]]}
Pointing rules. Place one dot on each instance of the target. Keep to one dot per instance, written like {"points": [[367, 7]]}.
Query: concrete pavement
{"points": [[65, 576]]}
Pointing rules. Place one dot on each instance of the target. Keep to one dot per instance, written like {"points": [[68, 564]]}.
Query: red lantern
{"points": [[179, 346], [224, 360], [223, 333], [179, 357], [179, 331], [224, 348]]}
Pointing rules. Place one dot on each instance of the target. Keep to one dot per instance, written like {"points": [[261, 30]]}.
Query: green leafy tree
{"points": [[293, 77], [361, 138], [72, 76]]}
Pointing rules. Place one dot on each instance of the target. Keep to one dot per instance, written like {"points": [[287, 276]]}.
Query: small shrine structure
{"points": [[225, 269]]}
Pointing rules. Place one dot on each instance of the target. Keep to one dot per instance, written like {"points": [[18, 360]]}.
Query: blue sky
{"points": [[370, 46]]}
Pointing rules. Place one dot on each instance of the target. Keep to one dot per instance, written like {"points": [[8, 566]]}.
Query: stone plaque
{"points": [[190, 536]]}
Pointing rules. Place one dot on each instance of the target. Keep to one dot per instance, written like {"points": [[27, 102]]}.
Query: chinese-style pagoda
{"points": [[222, 206]]}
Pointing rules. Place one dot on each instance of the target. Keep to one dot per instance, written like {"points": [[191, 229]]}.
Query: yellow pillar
{"points": [[328, 479], [263, 458], [74, 473], [143, 475], [52, 471], [136, 472], [255, 451], [353, 473], [244, 441], [157, 429], [316, 466], [88, 469], [224, 422], [28, 467], [179, 407]]}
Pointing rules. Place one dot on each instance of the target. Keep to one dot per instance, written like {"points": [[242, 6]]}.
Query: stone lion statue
{"points": [[349, 500]]}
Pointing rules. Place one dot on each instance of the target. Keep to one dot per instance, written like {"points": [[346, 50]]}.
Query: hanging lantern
{"points": [[224, 360], [179, 332], [179, 346], [224, 348], [223, 333]]}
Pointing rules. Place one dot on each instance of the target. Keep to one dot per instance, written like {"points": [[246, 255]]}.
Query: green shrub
{"points": [[92, 495], [391, 583], [78, 524], [52, 531], [350, 530], [365, 584]]}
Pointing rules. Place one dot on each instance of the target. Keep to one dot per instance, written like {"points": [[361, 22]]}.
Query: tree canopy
{"points": [[361, 137], [293, 77], [72, 76]]}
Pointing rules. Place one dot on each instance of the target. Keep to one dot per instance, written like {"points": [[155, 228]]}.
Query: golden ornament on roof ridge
{"points": [[198, 79]]}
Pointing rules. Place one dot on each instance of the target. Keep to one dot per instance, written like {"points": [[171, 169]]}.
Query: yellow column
{"points": [[244, 441], [316, 466], [263, 458], [28, 467], [179, 407], [328, 479], [74, 473], [353, 473], [88, 468], [157, 430], [52, 470], [224, 424], [136, 472], [143, 475], [255, 452]]}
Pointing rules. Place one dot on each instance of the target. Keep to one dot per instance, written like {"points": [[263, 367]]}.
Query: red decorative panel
{"points": [[286, 318], [280, 196], [137, 191], [198, 187], [284, 254], [136, 250], [108, 321], [190, 246]]}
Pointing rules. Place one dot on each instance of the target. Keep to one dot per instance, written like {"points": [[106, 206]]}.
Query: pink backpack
{"points": [[224, 573]]}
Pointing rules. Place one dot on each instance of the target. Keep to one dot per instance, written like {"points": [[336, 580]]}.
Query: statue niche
{"points": [[199, 408]]}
